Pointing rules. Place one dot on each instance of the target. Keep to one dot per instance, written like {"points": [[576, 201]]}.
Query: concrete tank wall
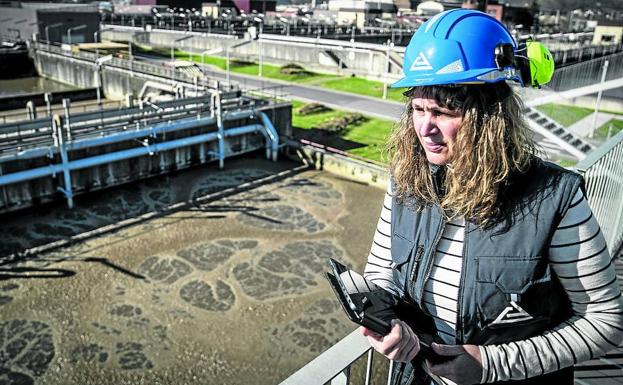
{"points": [[116, 82], [362, 62]]}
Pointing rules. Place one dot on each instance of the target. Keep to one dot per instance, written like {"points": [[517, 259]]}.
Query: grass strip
{"points": [[366, 139], [609, 129], [564, 114]]}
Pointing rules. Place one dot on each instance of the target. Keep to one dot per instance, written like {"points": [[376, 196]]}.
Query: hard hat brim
{"points": [[463, 77]]}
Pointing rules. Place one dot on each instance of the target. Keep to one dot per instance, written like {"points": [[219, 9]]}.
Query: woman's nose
{"points": [[427, 125]]}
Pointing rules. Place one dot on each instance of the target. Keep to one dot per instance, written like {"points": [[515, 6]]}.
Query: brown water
{"points": [[219, 291], [32, 85]]}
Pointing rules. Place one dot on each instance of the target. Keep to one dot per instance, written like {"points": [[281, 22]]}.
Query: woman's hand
{"points": [[401, 344], [465, 366]]}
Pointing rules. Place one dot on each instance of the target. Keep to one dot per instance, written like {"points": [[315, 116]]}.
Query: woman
{"points": [[498, 247]]}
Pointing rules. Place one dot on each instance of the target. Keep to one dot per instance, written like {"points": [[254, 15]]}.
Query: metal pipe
{"points": [[67, 106], [272, 134]]}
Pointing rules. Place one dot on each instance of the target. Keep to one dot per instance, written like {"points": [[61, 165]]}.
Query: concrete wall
{"points": [[43, 190], [116, 82], [349, 168], [359, 61], [19, 23]]}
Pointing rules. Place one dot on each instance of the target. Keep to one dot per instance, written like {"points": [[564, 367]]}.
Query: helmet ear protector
{"points": [[532, 60]]}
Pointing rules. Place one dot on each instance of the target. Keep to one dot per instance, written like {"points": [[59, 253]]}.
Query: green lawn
{"points": [[366, 139], [248, 68], [363, 87], [617, 126], [564, 114]]}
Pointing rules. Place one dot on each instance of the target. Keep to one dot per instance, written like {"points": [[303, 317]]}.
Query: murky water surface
{"points": [[226, 290], [32, 85]]}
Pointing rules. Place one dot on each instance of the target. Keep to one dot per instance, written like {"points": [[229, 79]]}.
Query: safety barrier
{"points": [[587, 73], [604, 188]]}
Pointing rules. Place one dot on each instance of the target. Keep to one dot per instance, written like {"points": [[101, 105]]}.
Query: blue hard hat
{"points": [[459, 46]]}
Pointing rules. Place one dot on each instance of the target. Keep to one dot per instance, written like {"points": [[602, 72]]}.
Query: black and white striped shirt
{"points": [[579, 257]]}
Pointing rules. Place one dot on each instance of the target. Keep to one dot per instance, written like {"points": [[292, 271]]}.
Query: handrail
{"points": [[332, 365], [604, 188]]}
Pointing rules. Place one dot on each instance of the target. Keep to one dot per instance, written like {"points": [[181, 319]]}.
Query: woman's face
{"points": [[436, 128]]}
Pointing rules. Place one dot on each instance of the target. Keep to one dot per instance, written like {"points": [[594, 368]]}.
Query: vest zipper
{"points": [[459, 306], [418, 255], [429, 260]]}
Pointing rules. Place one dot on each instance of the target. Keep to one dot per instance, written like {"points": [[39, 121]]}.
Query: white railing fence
{"points": [[603, 172], [334, 365]]}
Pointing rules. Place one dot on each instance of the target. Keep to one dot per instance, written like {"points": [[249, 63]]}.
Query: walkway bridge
{"points": [[80, 152]]}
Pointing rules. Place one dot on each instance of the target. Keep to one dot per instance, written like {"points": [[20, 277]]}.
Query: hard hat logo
{"points": [[421, 63]]}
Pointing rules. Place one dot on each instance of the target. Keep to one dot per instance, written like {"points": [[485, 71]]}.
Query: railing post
{"points": [[66, 107], [57, 132], [391, 369], [617, 225], [598, 103], [221, 131], [342, 378], [48, 102], [369, 367]]}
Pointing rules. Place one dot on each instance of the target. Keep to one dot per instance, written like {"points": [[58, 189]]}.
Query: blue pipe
{"points": [[128, 135], [78, 164], [272, 134]]}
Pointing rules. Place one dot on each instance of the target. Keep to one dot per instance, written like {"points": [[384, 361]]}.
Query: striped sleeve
{"points": [[378, 269], [579, 257]]}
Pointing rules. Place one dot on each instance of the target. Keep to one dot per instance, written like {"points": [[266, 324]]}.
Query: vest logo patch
{"points": [[512, 314], [421, 63]]}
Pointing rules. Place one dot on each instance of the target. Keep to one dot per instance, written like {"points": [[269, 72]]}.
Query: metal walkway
{"points": [[75, 142]]}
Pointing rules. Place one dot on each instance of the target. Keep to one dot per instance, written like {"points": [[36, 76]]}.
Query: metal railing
{"points": [[604, 189], [578, 53], [587, 73], [333, 366], [144, 129], [603, 173]]}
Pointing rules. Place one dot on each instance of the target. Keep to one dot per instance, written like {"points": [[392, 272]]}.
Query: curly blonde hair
{"points": [[492, 143]]}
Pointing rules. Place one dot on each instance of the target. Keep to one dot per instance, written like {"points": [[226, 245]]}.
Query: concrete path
{"points": [[583, 127]]}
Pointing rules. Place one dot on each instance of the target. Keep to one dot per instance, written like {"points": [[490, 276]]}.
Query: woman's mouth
{"points": [[435, 147]]}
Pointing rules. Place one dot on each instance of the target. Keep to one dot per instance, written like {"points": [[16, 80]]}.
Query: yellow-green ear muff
{"points": [[541, 63]]}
